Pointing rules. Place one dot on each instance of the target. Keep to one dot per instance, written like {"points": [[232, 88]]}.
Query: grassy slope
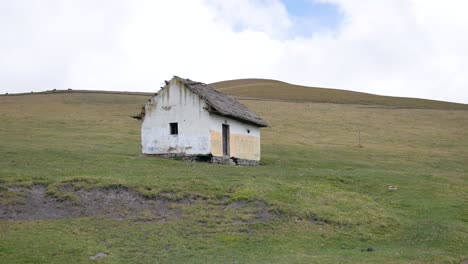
{"points": [[312, 168], [277, 90]]}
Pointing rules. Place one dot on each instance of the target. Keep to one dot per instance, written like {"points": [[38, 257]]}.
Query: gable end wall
{"points": [[176, 104]]}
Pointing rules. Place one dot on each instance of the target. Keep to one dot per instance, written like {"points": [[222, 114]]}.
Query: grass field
{"points": [[329, 197]]}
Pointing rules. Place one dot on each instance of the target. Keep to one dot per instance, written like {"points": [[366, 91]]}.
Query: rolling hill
{"points": [[74, 186], [282, 91], [272, 90]]}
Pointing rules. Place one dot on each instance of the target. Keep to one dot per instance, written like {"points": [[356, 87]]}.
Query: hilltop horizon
{"points": [[271, 89]]}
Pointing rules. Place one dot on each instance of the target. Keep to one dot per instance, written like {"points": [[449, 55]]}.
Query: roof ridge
{"points": [[223, 104]]}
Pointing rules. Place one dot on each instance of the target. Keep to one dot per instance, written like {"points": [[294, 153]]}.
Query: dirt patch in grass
{"points": [[34, 203]]}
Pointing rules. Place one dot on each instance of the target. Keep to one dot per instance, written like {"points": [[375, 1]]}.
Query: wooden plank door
{"points": [[225, 140]]}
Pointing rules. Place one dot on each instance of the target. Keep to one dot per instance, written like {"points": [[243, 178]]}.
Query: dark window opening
{"points": [[174, 128]]}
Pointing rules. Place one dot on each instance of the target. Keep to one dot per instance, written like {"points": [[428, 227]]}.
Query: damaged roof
{"points": [[222, 104]]}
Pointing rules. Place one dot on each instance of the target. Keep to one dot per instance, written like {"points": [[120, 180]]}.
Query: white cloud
{"points": [[269, 16], [400, 47], [165, 39]]}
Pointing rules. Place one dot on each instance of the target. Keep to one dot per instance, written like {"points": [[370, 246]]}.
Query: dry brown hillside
{"points": [[282, 91], [272, 90]]}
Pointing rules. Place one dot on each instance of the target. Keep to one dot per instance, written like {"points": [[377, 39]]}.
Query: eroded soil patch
{"points": [[36, 204], [33, 203]]}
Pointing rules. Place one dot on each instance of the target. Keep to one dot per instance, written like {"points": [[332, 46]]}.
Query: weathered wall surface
{"points": [[245, 147], [244, 138], [175, 103], [216, 142]]}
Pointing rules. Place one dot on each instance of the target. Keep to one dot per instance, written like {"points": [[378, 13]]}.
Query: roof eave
{"points": [[263, 124]]}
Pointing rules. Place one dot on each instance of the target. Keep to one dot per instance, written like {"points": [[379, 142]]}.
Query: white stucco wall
{"points": [[175, 103]]}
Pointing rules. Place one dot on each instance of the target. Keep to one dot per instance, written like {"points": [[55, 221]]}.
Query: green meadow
{"points": [[336, 178]]}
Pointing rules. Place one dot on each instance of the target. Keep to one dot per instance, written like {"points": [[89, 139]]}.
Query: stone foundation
{"points": [[222, 160], [243, 162], [233, 161], [208, 158]]}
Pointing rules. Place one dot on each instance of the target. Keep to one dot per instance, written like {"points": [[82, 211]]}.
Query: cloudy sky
{"points": [[413, 48]]}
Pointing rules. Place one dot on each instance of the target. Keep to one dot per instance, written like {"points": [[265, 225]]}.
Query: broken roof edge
{"points": [[222, 104], [241, 120], [213, 110]]}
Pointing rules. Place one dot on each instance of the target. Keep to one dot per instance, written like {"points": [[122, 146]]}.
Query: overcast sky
{"points": [[413, 48]]}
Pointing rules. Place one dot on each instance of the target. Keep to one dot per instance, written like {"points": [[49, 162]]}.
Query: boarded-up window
{"points": [[174, 128]]}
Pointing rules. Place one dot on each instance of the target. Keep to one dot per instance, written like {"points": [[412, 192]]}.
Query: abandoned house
{"points": [[193, 121]]}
